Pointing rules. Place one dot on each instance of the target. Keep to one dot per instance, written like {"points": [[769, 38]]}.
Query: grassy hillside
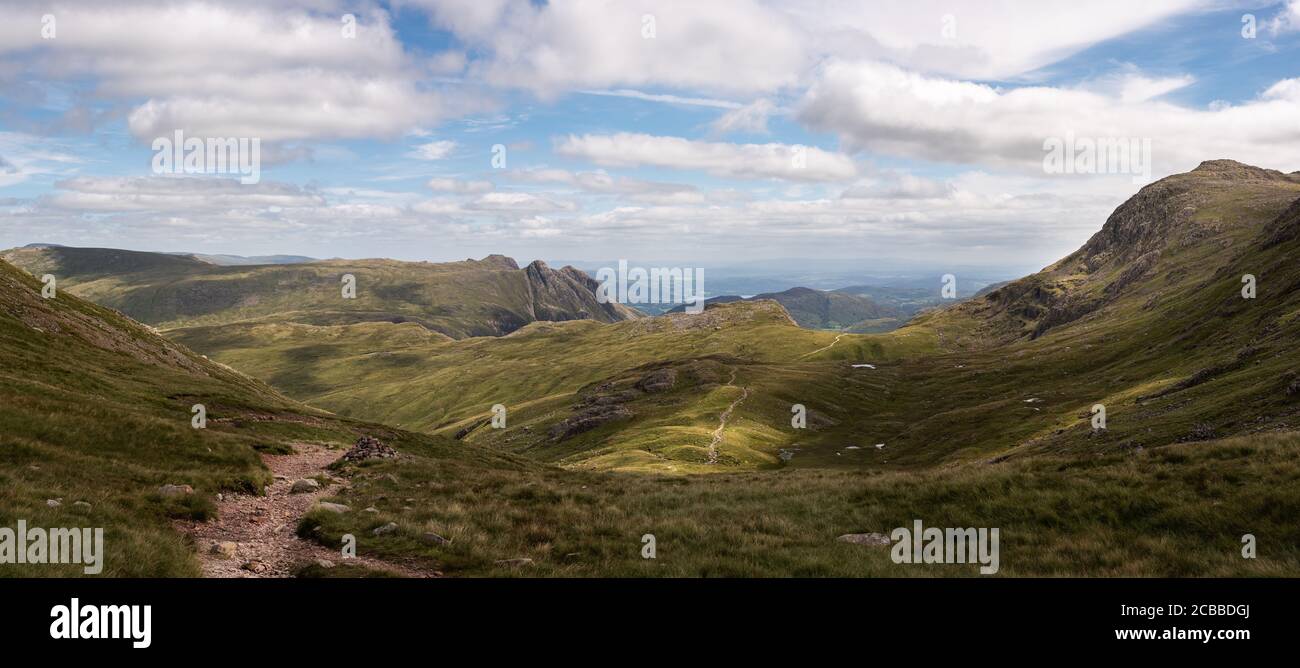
{"points": [[95, 408], [1150, 324], [1176, 512], [485, 297]]}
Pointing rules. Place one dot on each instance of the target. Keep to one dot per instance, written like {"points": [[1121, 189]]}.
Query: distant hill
{"points": [[239, 260], [492, 296], [819, 309]]}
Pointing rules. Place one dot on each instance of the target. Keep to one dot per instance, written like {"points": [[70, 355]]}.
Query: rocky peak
{"points": [[499, 260]]}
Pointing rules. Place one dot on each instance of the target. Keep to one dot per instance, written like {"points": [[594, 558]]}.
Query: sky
{"points": [[656, 130]]}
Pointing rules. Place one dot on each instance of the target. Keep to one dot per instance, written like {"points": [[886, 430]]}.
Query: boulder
{"points": [[170, 491], [336, 508], [391, 527], [304, 486], [225, 550]]}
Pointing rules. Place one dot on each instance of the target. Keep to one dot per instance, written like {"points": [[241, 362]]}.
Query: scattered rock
{"points": [[336, 508], [226, 550], [657, 381], [169, 491], [872, 539], [325, 563], [81, 504], [256, 567], [368, 447], [391, 527], [434, 539], [53, 503], [371, 509], [587, 419], [304, 486], [515, 563]]}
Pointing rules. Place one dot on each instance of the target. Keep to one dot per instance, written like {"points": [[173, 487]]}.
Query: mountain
{"points": [[976, 414], [1146, 319], [487, 297], [240, 260], [819, 309], [1174, 235]]}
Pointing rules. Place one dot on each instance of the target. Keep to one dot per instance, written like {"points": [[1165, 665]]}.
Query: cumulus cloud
{"points": [[899, 185], [765, 161], [882, 108], [1287, 20], [743, 47], [234, 70]]}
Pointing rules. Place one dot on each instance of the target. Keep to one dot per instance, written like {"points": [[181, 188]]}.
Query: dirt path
{"points": [[832, 345], [264, 528], [722, 420]]}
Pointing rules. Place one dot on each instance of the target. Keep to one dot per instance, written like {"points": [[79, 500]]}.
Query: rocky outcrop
{"points": [[570, 294], [1161, 220]]}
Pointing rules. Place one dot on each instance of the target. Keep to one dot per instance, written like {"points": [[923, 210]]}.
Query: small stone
{"points": [[435, 539], [371, 509], [872, 539], [81, 504], [225, 550], [325, 563], [336, 508], [515, 563], [221, 497], [256, 567], [170, 491], [391, 527], [53, 503], [304, 486]]}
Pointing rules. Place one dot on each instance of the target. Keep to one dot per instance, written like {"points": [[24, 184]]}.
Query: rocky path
{"points": [[722, 420], [832, 345], [256, 536]]}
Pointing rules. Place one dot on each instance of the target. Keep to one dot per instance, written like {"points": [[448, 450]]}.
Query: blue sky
{"points": [[921, 127]]}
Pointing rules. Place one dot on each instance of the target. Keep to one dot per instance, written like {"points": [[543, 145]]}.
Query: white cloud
{"points": [[888, 110], [601, 182], [518, 202], [775, 161], [175, 194], [448, 185], [434, 150], [233, 70], [899, 185], [743, 47], [1287, 20], [749, 118]]}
